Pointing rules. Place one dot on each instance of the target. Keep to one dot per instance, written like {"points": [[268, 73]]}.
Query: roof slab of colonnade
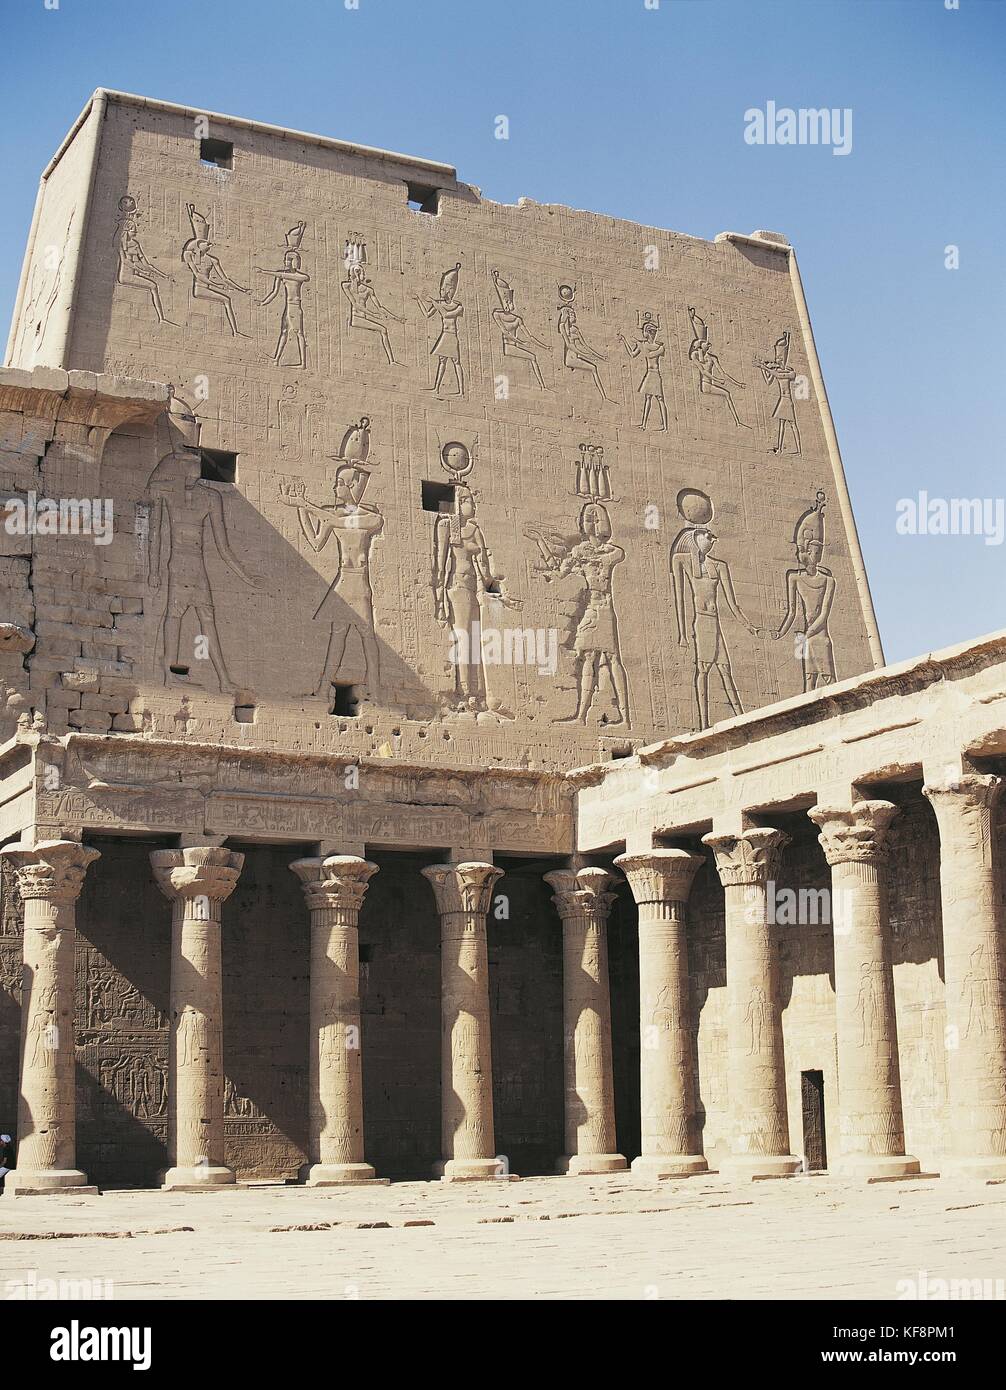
{"points": [[928, 718]]}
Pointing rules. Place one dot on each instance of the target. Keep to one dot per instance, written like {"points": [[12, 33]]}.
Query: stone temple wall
{"points": [[437, 419]]}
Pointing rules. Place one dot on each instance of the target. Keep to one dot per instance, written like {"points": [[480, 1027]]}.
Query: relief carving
{"points": [[714, 380], [348, 605], [777, 369], [134, 270], [518, 340], [209, 280], [577, 354], [696, 574], [291, 278], [651, 350], [447, 348], [810, 595], [366, 312]]}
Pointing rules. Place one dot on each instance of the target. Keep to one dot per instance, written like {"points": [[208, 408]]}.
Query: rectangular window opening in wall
{"points": [[621, 750], [244, 714], [438, 497], [218, 152], [218, 466], [423, 198], [345, 701]]}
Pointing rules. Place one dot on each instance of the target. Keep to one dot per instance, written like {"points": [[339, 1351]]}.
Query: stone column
{"points": [[583, 902], [463, 893], [871, 1122], [196, 881], [975, 974], [747, 863], [334, 888], [50, 877], [661, 880]]}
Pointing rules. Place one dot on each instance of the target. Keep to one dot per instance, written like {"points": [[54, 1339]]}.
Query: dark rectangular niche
{"points": [[438, 497], [423, 198], [218, 466], [217, 152]]}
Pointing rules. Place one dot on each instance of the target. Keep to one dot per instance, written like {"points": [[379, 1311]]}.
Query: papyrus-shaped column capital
{"points": [[205, 872], [462, 890], [582, 893], [338, 883], [660, 875], [964, 807], [52, 871], [748, 859], [857, 835]]}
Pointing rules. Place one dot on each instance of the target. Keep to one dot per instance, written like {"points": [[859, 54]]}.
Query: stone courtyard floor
{"points": [[810, 1237]]}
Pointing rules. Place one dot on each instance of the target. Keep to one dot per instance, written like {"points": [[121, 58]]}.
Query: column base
{"points": [[471, 1170], [581, 1164], [876, 1167], [669, 1165], [749, 1167], [26, 1182], [340, 1175], [984, 1168], [197, 1179]]}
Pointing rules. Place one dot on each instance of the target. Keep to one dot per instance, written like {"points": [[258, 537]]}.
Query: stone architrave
{"points": [[871, 1120], [196, 881], [334, 888], [50, 877], [583, 902], [661, 880], [463, 893], [975, 974], [747, 863]]}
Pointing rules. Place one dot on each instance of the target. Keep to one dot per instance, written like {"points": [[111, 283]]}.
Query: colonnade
{"points": [[198, 879]]}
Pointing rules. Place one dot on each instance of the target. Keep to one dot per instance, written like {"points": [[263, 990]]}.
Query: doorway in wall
{"points": [[815, 1149]]}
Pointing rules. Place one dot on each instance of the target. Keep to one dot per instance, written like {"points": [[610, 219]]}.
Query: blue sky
{"points": [[639, 112]]}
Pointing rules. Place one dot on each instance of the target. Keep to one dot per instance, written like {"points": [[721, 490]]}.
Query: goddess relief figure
{"points": [[463, 582]]}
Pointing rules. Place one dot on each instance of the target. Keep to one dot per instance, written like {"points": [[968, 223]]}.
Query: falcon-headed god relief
{"points": [[697, 574], [209, 280], [810, 594]]}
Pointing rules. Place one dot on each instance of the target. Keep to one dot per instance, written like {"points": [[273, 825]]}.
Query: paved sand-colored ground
{"points": [[615, 1237]]}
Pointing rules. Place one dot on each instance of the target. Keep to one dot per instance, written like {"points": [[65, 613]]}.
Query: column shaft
{"points": [[463, 893], [975, 974], [746, 863], [197, 881], [661, 881], [583, 903], [50, 877], [871, 1123], [334, 888]]}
